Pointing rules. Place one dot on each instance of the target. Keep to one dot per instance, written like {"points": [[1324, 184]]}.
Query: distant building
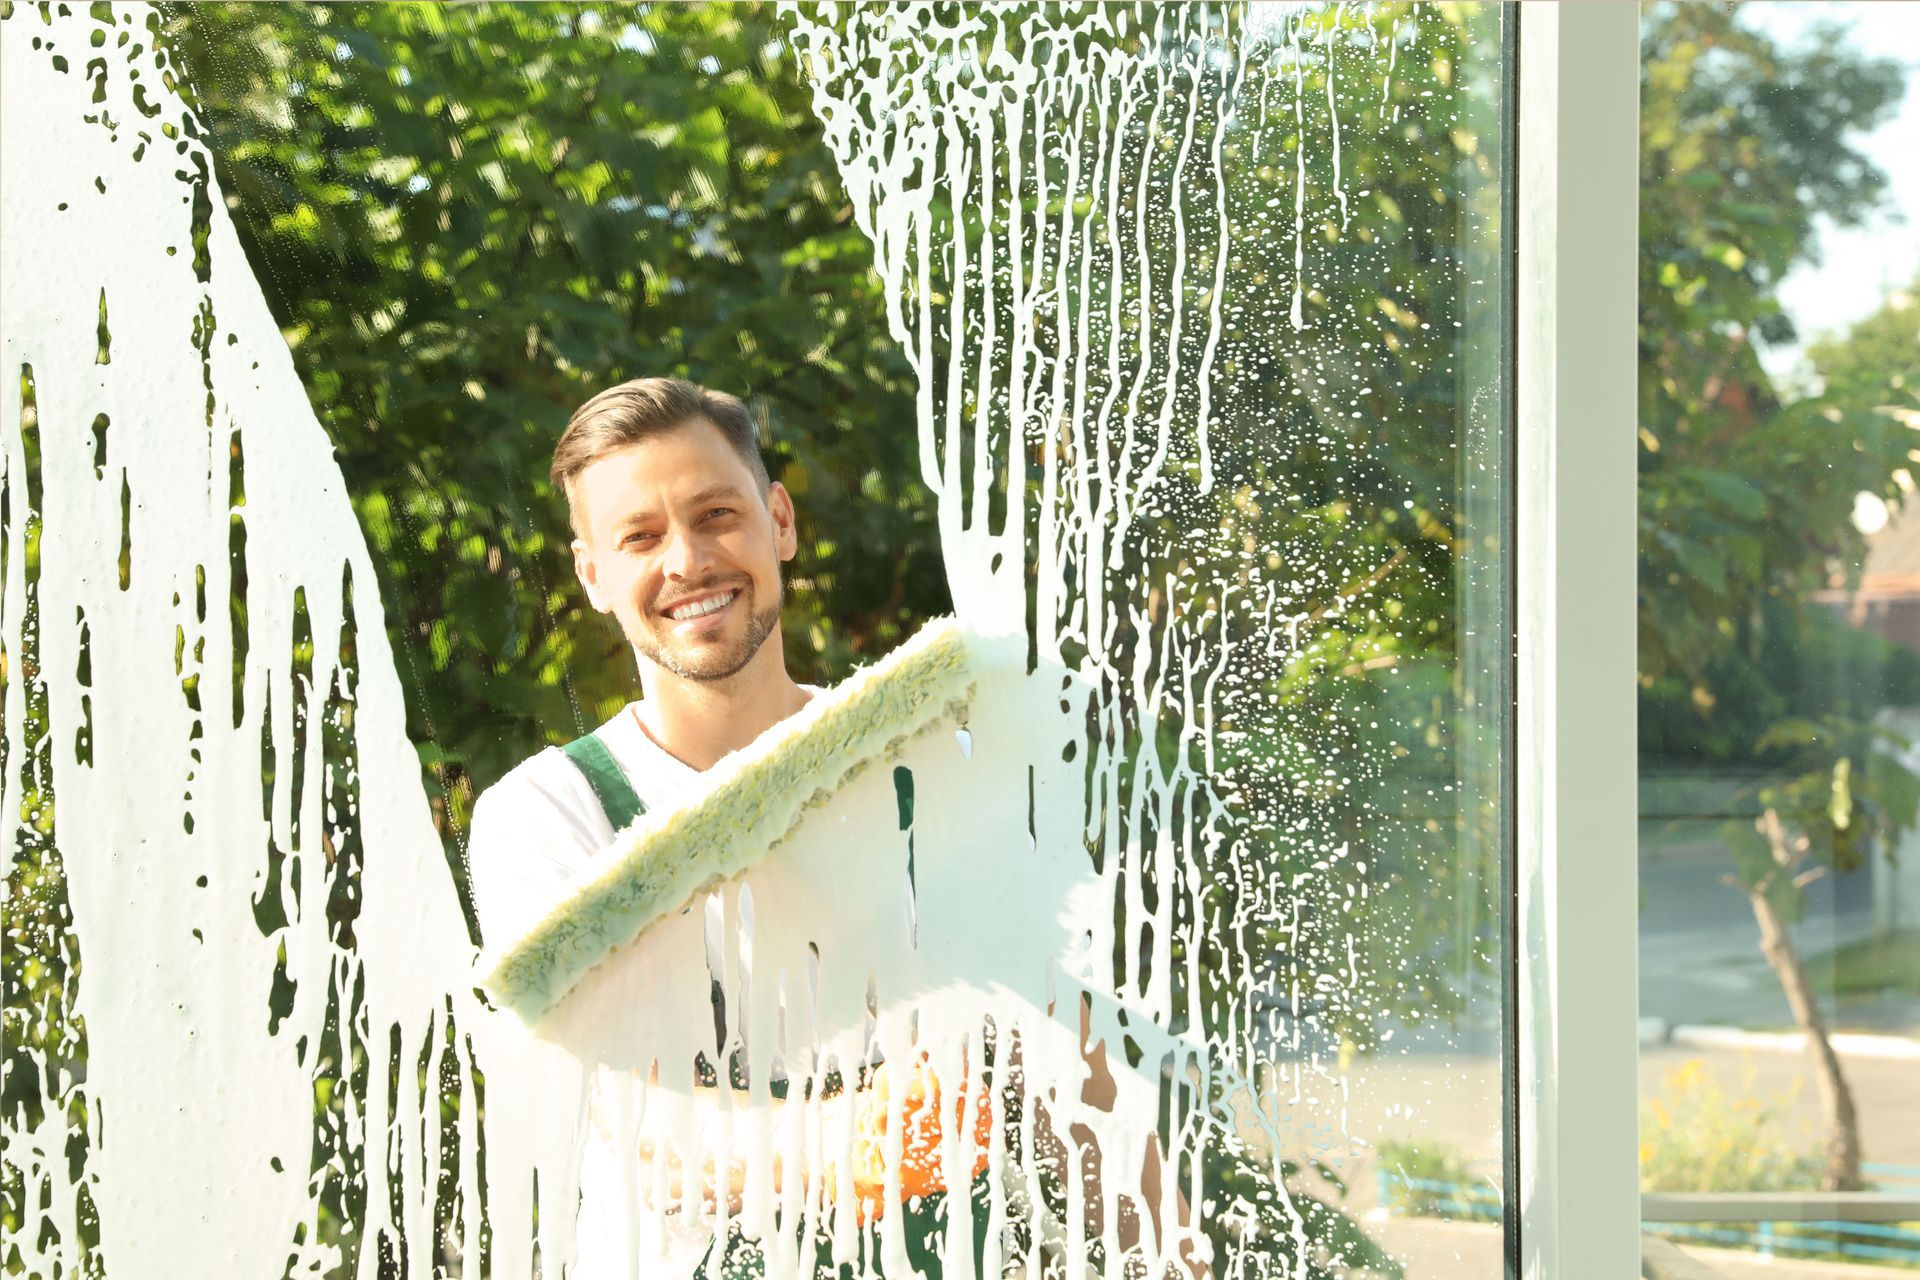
{"points": [[1887, 600]]}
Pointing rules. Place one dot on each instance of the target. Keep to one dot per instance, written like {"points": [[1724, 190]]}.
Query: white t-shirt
{"points": [[541, 826], [533, 833]]}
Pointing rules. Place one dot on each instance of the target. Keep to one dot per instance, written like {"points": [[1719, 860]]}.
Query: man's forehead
{"points": [[631, 485]]}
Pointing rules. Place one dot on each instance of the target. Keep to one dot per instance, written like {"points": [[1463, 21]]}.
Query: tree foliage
{"points": [[467, 220], [1746, 493]]}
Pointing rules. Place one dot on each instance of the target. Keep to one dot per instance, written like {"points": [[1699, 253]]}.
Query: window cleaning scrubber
{"points": [[753, 798]]}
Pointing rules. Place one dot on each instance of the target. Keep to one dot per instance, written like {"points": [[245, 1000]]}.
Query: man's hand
{"points": [[922, 1133]]}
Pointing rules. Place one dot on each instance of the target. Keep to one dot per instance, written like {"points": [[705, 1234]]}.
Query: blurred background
{"points": [[1780, 619]]}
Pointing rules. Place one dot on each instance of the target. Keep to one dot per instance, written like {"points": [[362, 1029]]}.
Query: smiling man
{"points": [[680, 535]]}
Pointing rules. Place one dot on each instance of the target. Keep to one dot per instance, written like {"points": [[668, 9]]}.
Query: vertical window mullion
{"points": [[1575, 873]]}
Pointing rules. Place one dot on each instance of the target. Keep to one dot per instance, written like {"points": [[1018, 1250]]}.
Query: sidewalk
{"points": [[1738, 1264], [1435, 1250], [1847, 1044]]}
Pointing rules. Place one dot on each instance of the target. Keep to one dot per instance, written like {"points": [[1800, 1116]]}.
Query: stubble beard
{"points": [[707, 663]]}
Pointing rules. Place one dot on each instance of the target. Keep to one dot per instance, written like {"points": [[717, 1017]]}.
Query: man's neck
{"points": [[698, 722]]}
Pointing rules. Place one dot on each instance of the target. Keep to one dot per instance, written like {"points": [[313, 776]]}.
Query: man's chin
{"points": [[706, 666], [709, 656], [714, 658], [697, 662]]}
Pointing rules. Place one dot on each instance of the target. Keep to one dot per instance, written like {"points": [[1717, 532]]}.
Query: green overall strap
{"points": [[617, 796]]}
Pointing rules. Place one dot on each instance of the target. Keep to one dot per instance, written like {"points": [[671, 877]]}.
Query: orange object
{"points": [[920, 1114]]}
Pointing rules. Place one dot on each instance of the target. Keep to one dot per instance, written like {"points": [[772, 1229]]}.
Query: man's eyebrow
{"points": [[720, 489]]}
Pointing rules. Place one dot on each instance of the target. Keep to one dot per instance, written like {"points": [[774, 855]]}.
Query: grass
{"points": [[1870, 966]]}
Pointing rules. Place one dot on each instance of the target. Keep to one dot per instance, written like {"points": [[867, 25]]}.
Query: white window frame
{"points": [[1576, 241]]}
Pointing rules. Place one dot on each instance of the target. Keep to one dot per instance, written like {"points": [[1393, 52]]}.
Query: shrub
{"points": [[1697, 1136], [1434, 1180]]}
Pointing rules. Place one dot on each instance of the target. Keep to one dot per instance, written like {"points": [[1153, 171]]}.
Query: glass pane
{"points": [[1148, 359], [1779, 660]]}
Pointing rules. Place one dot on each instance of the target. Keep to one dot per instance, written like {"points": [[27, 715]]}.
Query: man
{"points": [[679, 535]]}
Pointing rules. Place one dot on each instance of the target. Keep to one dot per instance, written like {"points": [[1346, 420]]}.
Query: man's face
{"points": [[673, 522]]}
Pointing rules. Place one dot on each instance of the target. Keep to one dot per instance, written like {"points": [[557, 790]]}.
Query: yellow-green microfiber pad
{"points": [[753, 798]]}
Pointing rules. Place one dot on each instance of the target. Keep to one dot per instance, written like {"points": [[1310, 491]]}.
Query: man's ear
{"points": [[786, 537], [588, 573]]}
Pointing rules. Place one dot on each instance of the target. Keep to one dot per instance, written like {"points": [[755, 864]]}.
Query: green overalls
{"points": [[741, 1258]]}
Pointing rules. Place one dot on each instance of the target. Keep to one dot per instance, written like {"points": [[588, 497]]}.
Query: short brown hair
{"points": [[641, 409]]}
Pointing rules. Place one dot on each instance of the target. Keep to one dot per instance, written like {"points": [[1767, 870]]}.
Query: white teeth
{"points": [[703, 607]]}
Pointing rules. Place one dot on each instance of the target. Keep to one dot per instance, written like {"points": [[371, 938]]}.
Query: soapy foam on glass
{"points": [[198, 1109]]}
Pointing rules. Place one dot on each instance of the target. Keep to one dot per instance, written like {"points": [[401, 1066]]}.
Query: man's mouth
{"points": [[702, 607]]}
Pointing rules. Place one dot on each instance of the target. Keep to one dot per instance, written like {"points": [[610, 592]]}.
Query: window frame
{"points": [[1573, 945]]}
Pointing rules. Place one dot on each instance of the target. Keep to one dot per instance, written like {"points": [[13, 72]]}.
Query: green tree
{"points": [[467, 220], [1746, 495], [1874, 367]]}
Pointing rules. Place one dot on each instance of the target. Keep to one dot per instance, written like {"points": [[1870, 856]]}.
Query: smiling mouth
{"points": [[702, 608]]}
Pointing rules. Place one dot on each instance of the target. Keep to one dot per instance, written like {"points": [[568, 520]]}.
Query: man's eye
{"points": [[632, 537], [721, 511]]}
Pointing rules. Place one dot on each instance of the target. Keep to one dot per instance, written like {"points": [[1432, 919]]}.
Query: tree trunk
{"points": [[1843, 1125]]}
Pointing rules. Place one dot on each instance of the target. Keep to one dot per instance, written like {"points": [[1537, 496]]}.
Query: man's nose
{"points": [[688, 555]]}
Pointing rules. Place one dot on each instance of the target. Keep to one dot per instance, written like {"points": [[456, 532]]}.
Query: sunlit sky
{"points": [[1861, 265]]}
